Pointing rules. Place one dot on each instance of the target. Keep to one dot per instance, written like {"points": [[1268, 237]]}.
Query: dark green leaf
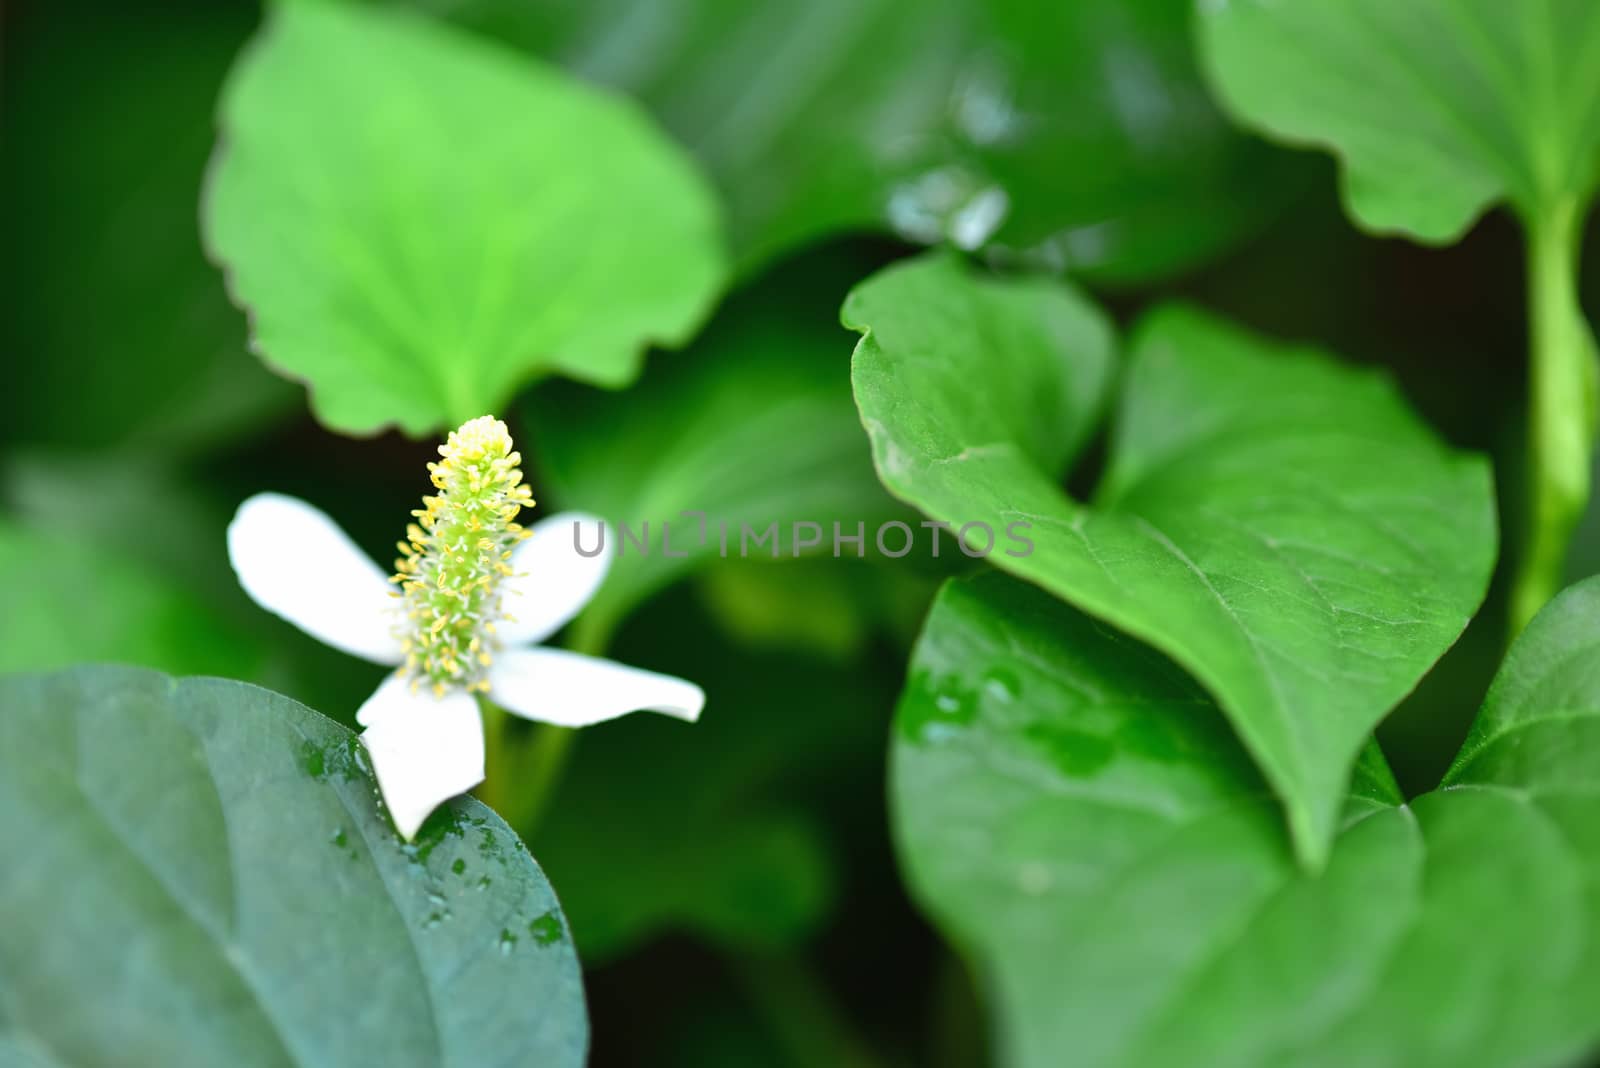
{"points": [[207, 878], [1075, 135]]}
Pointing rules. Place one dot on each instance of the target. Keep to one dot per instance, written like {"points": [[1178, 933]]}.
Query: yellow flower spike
{"points": [[451, 563]]}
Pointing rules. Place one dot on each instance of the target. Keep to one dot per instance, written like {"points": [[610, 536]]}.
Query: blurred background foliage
{"points": [[732, 887]]}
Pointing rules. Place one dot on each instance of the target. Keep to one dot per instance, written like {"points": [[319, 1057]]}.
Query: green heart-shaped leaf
{"points": [[1075, 814], [199, 872], [1281, 525], [1438, 108], [419, 222]]}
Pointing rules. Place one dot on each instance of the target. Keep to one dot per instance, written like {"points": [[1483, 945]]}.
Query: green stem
{"points": [[522, 768], [1561, 409], [542, 761], [497, 744]]}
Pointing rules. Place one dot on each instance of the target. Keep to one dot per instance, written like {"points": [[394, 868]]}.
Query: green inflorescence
{"points": [[457, 552]]}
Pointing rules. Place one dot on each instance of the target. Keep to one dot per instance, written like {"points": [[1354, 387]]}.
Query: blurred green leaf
{"points": [[163, 592], [118, 330], [71, 600], [419, 222], [1076, 815], [1074, 135], [1438, 108], [822, 606], [714, 829], [754, 426], [208, 879], [1281, 525], [759, 879], [166, 521], [827, 607]]}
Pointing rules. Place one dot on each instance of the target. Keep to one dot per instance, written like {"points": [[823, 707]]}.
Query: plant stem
{"points": [[523, 769], [1561, 409], [494, 790], [542, 761]]}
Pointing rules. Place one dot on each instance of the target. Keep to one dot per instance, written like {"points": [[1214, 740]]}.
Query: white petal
{"points": [[424, 749], [551, 580], [295, 561], [572, 690]]}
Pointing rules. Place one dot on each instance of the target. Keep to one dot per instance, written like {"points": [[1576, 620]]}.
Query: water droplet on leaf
{"points": [[1002, 684], [546, 929]]}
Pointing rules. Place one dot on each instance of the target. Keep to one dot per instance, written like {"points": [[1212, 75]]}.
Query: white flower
{"points": [[426, 738]]}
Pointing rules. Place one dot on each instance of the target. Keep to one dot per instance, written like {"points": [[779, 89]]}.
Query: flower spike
{"points": [[456, 554]]}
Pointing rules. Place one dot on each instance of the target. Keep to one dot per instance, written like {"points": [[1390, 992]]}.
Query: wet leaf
{"points": [[209, 879], [1069, 135], [1076, 816]]}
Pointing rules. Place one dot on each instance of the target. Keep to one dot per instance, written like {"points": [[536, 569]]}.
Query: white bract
{"points": [[477, 593]]}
